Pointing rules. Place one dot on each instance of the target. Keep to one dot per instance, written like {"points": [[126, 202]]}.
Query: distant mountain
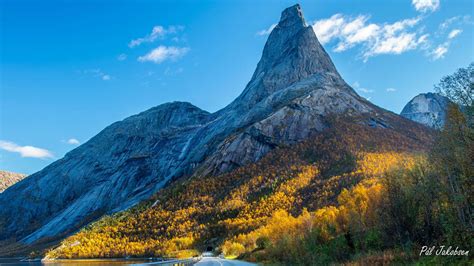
{"points": [[7, 179], [294, 94], [428, 109]]}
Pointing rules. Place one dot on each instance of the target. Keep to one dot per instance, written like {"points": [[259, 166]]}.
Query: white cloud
{"points": [[401, 25], [327, 29], [396, 44], [440, 51], [454, 33], [73, 141], [267, 31], [162, 53], [395, 38], [374, 39], [25, 151], [454, 25], [354, 31], [363, 34], [425, 5], [156, 32], [122, 57], [391, 89]]}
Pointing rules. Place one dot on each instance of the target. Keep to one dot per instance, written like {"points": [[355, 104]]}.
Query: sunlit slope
{"points": [[8, 179]]}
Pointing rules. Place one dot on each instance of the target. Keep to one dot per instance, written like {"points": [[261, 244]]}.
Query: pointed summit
{"points": [[292, 17], [292, 53]]}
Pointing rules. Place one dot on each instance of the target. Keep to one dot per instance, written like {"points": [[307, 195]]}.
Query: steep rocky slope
{"points": [[293, 93], [428, 109], [8, 179]]}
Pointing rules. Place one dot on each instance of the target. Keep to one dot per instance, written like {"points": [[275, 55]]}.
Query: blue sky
{"points": [[70, 68]]}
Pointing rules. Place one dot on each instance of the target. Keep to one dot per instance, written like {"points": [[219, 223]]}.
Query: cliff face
{"points": [[428, 109], [294, 91]]}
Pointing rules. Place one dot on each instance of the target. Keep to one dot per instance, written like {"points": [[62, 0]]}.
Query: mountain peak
{"points": [[292, 16], [291, 54]]}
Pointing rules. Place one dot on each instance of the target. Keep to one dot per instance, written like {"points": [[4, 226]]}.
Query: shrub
{"points": [[263, 242], [233, 249]]}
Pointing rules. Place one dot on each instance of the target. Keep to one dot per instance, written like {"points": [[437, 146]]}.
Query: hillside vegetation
{"points": [[8, 179]]}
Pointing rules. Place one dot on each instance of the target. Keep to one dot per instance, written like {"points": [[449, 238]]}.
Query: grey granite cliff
{"points": [[428, 109]]}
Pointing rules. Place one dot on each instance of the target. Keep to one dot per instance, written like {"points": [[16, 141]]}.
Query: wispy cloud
{"points": [[425, 5], [454, 33], [266, 31], [442, 49], [156, 33], [97, 73], [122, 57], [455, 21], [163, 53], [357, 86], [374, 39], [25, 151], [447, 22], [171, 72], [365, 90], [73, 141], [447, 31], [391, 90]]}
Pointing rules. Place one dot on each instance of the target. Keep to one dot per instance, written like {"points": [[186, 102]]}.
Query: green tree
{"points": [[453, 154], [459, 88]]}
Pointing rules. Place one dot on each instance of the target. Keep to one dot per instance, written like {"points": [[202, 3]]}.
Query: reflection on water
{"points": [[97, 262]]}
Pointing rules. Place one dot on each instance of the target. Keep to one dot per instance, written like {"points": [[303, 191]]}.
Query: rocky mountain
{"points": [[428, 109], [8, 179], [293, 94]]}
